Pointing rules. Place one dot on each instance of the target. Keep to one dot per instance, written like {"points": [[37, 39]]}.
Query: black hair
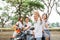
{"points": [[26, 17], [19, 18], [46, 15]]}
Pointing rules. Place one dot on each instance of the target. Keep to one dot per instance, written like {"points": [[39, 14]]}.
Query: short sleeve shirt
{"points": [[28, 24], [20, 25], [38, 29], [43, 23]]}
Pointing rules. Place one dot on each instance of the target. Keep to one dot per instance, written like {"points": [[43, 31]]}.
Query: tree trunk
{"points": [[19, 8], [2, 22]]}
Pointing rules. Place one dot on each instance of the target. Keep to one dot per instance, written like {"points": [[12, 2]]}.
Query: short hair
{"points": [[37, 12], [26, 17]]}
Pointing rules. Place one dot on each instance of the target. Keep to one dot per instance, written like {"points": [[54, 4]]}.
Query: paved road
{"points": [[55, 35]]}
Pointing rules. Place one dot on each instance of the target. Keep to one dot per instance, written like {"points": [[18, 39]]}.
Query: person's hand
{"points": [[42, 30], [33, 34]]}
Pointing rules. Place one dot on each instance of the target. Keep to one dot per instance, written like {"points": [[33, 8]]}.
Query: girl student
{"points": [[18, 28], [45, 26]]}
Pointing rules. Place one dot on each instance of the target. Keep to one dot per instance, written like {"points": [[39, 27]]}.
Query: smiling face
{"points": [[44, 16], [27, 19], [21, 19], [36, 15]]}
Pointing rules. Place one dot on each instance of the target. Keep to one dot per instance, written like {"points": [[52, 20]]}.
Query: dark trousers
{"points": [[43, 38]]}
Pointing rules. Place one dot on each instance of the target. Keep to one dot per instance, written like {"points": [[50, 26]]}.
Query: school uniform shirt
{"points": [[28, 25], [20, 25], [46, 30], [43, 23], [38, 29]]}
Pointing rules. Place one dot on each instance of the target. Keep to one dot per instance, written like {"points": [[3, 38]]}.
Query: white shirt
{"points": [[28, 24], [19, 24], [14, 34], [38, 29], [44, 23]]}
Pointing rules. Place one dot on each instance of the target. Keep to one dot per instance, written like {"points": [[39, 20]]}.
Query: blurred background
{"points": [[10, 10]]}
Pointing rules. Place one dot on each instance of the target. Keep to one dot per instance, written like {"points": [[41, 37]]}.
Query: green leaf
{"points": [[4, 14], [0, 8], [25, 5]]}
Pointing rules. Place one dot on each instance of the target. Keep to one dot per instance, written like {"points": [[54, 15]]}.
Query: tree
{"points": [[57, 24], [49, 5], [25, 6], [5, 17], [58, 6], [53, 24], [14, 19]]}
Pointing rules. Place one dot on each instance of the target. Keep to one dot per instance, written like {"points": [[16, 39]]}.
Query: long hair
{"points": [[19, 19], [46, 15]]}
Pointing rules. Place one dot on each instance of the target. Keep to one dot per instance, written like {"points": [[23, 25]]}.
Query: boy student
{"points": [[37, 26], [27, 27]]}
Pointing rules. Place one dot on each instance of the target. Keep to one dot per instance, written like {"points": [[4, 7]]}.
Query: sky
{"points": [[54, 17]]}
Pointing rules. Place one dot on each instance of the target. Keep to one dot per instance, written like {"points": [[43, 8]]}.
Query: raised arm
{"points": [[40, 18]]}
